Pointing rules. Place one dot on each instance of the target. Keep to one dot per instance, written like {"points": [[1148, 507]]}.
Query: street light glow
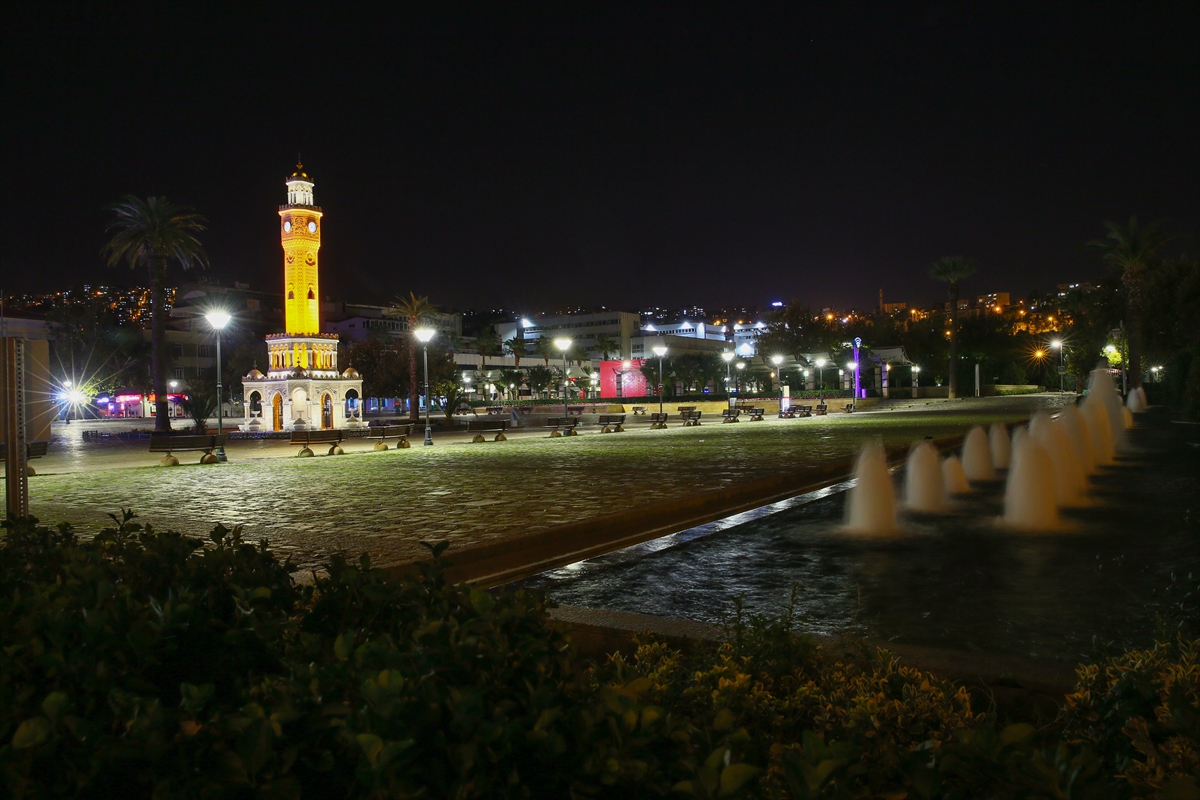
{"points": [[820, 363], [424, 334], [563, 344], [218, 319], [660, 351], [777, 360], [728, 356]]}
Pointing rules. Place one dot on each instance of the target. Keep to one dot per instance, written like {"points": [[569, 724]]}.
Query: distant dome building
{"points": [[303, 387]]}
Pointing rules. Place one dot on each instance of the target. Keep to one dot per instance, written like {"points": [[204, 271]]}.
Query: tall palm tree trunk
{"points": [[414, 385], [1133, 326], [158, 345], [953, 391]]}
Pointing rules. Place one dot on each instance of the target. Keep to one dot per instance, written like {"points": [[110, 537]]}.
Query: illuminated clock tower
{"points": [[300, 230], [303, 388]]}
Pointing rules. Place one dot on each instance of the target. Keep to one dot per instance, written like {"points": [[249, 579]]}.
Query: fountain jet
{"points": [[871, 506], [953, 477], [924, 489], [1102, 390], [1079, 437], [1029, 495], [1136, 401], [1069, 478], [976, 458], [998, 443]]}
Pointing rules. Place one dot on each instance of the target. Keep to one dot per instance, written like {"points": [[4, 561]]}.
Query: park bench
{"points": [[639, 411], [32, 450], [178, 443], [307, 437], [562, 426], [658, 420], [730, 414], [849, 408], [803, 411], [690, 418], [611, 423], [684, 409], [384, 432], [481, 426], [821, 410], [495, 410], [575, 410], [756, 414], [787, 413]]}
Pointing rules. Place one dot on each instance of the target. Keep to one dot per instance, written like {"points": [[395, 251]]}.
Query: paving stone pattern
{"points": [[384, 503]]}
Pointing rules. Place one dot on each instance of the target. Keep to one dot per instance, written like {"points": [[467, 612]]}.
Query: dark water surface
{"points": [[957, 580]]}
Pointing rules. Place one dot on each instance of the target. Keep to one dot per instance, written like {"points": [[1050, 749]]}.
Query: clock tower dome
{"points": [[300, 232]]}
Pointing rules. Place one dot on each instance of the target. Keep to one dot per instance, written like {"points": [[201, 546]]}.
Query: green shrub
{"points": [[146, 664]]}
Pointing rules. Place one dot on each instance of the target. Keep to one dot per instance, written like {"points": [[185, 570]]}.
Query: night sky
{"points": [[539, 156]]}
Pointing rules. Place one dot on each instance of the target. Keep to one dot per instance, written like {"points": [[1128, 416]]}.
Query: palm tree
{"points": [[516, 346], [544, 347], [488, 342], [413, 309], [606, 344], [1130, 249], [953, 269], [152, 233]]}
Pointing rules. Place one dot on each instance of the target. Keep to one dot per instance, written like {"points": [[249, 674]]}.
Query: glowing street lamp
{"points": [[1058, 345], [564, 345], [728, 356], [660, 351], [916, 379], [821, 372], [218, 320], [423, 336]]}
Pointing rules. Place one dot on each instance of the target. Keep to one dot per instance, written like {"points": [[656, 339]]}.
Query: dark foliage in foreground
{"points": [[147, 664]]}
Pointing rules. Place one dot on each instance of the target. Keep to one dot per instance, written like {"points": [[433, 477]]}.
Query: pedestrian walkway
{"points": [[386, 502]]}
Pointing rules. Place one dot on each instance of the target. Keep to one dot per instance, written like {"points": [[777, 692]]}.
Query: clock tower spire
{"points": [[300, 232]]}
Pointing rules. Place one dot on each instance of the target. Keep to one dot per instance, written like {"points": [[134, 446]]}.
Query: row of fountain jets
{"points": [[1047, 464]]}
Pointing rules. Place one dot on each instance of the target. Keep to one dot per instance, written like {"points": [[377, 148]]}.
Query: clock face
{"points": [[287, 226], [312, 227]]}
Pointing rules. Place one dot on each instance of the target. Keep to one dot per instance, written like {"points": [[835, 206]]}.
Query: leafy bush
{"points": [[1140, 710], [149, 664]]}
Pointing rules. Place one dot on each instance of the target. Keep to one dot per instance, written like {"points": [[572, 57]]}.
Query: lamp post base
{"points": [[428, 437]]}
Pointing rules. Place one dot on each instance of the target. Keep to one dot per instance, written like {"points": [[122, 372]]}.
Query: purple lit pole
{"points": [[857, 368]]}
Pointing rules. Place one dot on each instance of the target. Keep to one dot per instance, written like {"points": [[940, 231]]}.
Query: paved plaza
{"points": [[386, 502]]}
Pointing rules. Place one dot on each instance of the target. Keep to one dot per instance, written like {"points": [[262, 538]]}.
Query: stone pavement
{"points": [[385, 503]]}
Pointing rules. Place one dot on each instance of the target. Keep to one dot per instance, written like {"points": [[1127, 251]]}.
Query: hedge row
{"points": [[146, 664]]}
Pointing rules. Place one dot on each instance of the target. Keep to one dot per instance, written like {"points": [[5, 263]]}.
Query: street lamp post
{"points": [[916, 380], [660, 351], [737, 383], [821, 372], [1058, 345], [564, 345], [423, 336], [218, 320], [777, 360], [728, 356]]}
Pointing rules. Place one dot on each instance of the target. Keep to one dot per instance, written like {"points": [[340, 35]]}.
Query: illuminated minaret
{"points": [[300, 232]]}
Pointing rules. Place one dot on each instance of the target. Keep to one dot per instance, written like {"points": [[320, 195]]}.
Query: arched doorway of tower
{"points": [[326, 411], [277, 412], [255, 401], [351, 403], [300, 406]]}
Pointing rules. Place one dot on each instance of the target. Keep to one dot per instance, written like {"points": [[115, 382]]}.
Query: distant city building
{"points": [[995, 301], [619, 326], [357, 321]]}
